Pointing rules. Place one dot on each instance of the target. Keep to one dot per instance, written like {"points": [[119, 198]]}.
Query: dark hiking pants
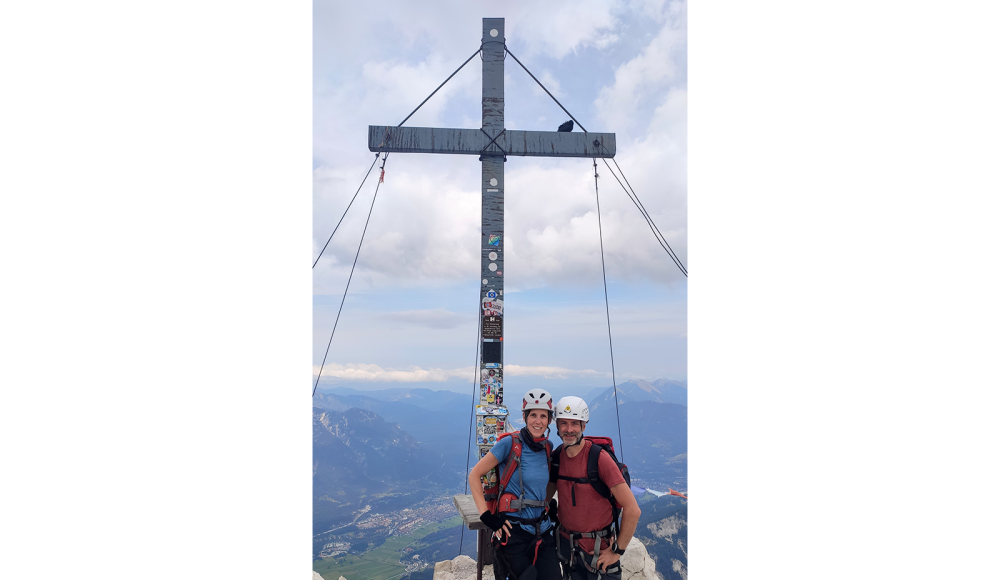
{"points": [[579, 570], [520, 552]]}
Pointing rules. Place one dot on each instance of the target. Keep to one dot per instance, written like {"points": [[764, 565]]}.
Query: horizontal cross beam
{"points": [[476, 142]]}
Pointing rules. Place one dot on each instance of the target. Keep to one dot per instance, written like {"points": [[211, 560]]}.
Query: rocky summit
{"points": [[636, 565]]}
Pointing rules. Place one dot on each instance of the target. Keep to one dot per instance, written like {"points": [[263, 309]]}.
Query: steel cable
{"points": [[345, 211], [472, 417], [323, 364], [377, 154], [544, 89], [478, 50], [649, 220], [607, 311]]}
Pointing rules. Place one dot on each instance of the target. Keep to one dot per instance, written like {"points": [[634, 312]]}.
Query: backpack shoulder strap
{"points": [[554, 462], [593, 472], [513, 460], [594, 475]]}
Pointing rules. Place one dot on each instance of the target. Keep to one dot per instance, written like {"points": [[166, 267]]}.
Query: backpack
{"points": [[598, 444], [496, 499]]}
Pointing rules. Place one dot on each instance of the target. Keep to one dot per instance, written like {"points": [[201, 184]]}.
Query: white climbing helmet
{"points": [[537, 399], [572, 408]]}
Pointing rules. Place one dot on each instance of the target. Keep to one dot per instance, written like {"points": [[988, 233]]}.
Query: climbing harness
{"points": [[497, 500]]}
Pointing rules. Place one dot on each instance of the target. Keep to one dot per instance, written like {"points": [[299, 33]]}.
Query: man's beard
{"points": [[564, 435]]}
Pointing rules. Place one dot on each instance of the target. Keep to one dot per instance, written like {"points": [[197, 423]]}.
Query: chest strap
{"points": [[517, 504]]}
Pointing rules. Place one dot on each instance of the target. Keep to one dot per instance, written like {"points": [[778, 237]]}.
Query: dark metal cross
{"points": [[493, 143]]}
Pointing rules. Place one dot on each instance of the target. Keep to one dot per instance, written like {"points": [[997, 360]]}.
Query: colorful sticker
{"points": [[491, 386], [494, 240], [492, 306], [499, 410], [489, 428], [499, 273], [492, 365], [491, 294]]}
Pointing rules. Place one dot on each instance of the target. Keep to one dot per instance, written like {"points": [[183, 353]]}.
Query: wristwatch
{"points": [[616, 549]]}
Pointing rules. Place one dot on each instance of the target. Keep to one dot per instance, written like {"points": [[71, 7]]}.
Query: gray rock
{"points": [[637, 563], [667, 528], [461, 568]]}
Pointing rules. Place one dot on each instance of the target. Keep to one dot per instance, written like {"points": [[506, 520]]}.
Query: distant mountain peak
{"points": [[659, 391], [649, 388]]}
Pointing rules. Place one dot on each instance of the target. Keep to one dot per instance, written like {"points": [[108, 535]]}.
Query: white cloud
{"points": [[646, 77], [550, 372], [370, 372], [559, 28]]}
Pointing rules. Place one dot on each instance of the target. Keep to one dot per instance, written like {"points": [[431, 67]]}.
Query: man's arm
{"points": [[630, 519], [630, 513]]}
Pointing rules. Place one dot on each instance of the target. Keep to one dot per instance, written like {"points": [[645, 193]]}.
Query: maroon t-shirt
{"points": [[591, 512]]}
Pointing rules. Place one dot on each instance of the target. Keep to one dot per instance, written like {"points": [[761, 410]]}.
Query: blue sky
{"points": [[409, 316]]}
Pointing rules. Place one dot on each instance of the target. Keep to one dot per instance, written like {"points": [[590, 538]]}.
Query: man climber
{"points": [[588, 508]]}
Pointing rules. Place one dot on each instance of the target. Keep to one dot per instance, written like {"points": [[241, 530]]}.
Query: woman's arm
{"points": [[488, 462]]}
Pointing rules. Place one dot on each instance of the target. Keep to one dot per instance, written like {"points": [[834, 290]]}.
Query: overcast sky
{"points": [[409, 318]]}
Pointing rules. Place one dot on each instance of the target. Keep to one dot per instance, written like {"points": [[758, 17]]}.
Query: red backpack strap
{"points": [[513, 459]]}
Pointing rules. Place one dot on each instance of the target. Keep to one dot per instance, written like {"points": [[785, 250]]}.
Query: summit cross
{"points": [[493, 144]]}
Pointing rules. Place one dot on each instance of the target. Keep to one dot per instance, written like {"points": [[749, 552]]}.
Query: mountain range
{"points": [[437, 420], [659, 391], [395, 447], [357, 457]]}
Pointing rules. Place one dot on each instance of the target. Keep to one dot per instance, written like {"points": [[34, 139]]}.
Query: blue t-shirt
{"points": [[535, 472]]}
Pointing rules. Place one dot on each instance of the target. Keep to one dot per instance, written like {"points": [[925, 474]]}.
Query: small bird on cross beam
{"points": [[566, 127]]}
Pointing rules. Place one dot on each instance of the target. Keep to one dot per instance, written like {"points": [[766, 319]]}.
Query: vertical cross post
{"points": [[491, 289]]}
